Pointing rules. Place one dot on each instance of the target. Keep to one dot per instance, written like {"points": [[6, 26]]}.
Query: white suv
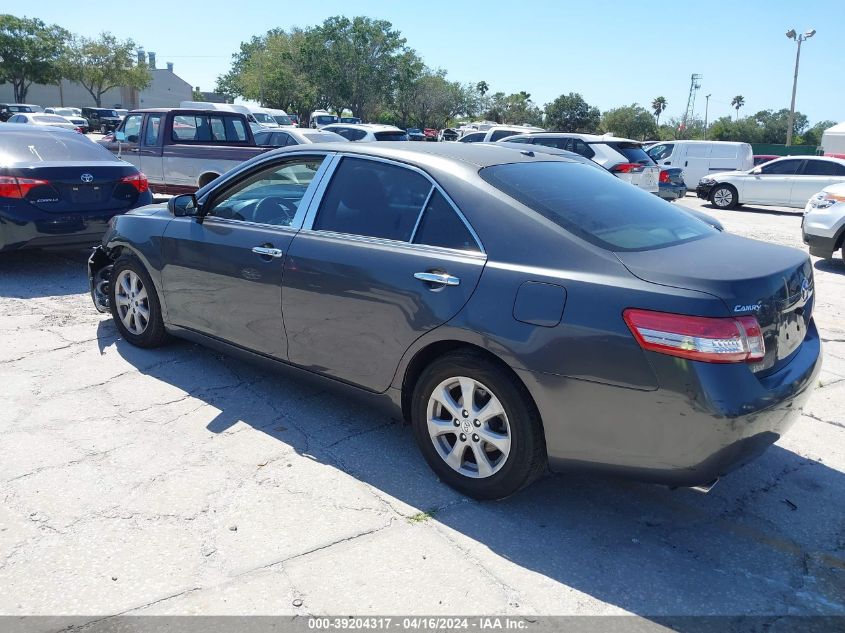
{"points": [[367, 132], [622, 157], [497, 133], [823, 225]]}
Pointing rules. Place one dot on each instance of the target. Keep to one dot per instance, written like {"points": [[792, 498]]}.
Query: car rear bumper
{"points": [[671, 192], [704, 420]]}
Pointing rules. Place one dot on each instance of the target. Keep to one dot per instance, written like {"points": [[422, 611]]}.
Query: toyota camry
{"points": [[522, 311]]}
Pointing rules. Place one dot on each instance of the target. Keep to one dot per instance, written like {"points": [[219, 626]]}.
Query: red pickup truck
{"points": [[181, 150]]}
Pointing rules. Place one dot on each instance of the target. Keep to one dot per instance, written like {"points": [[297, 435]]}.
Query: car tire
{"points": [[724, 197], [511, 443], [134, 304]]}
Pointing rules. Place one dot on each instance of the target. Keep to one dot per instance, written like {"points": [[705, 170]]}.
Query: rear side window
{"points": [[34, 147], [595, 206], [374, 199], [633, 152], [823, 168], [203, 128], [391, 136], [661, 151], [441, 226]]}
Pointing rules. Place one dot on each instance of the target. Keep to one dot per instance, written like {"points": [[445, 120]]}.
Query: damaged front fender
{"points": [[99, 277]]}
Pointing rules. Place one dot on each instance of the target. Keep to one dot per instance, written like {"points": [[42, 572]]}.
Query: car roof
{"points": [[36, 129], [829, 159], [367, 127], [477, 155], [589, 138]]}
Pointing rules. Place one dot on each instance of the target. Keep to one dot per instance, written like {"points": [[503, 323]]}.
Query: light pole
{"points": [[798, 37], [706, 112]]}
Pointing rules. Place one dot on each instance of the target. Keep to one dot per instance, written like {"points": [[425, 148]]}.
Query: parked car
{"points": [[103, 120], [497, 133], [9, 109], [350, 119], [296, 136], [518, 308], [264, 117], [759, 159], [823, 225], [58, 189], [183, 149], [415, 134], [448, 134], [282, 118], [700, 158], [622, 157], [368, 132], [321, 118], [68, 113], [430, 134], [53, 120], [787, 182], [671, 185]]}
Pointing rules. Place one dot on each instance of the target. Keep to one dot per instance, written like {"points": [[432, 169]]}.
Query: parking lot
{"points": [[180, 481]]}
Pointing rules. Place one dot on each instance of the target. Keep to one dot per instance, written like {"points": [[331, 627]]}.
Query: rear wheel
{"points": [[724, 196], [134, 304], [477, 427]]}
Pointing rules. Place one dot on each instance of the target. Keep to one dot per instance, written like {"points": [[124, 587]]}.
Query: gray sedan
{"points": [[520, 310], [294, 136]]}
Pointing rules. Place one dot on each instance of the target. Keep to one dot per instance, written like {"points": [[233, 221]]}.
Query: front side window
{"points": [[475, 137], [374, 199], [441, 226], [270, 196], [596, 207], [781, 168], [553, 141], [132, 127]]}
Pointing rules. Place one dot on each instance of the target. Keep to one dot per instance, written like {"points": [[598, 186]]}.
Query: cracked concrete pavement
{"points": [[181, 481]]}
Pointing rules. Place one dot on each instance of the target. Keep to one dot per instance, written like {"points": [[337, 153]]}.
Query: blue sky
{"points": [[612, 52]]}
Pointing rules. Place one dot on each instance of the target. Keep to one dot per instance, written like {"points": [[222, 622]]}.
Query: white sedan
{"points": [[788, 182], [35, 118]]}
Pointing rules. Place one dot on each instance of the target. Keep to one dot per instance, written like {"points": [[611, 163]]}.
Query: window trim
{"points": [[316, 201]]}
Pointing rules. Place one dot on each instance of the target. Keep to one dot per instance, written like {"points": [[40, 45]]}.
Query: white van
{"points": [[701, 158], [281, 117], [833, 141], [320, 119]]}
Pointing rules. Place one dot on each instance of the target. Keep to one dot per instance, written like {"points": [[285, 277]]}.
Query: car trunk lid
{"points": [[773, 283]]}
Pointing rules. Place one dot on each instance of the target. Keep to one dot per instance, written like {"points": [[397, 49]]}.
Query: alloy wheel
{"points": [[468, 427], [723, 197], [133, 303]]}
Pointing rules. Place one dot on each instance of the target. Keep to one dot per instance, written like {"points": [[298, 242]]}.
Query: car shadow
{"points": [[760, 210], [28, 274], [836, 266], [642, 548]]}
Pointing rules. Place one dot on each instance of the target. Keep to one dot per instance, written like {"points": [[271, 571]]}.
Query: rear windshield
{"points": [[595, 206], [391, 136], [634, 152], [282, 119], [261, 117], [326, 119], [19, 146], [106, 113]]}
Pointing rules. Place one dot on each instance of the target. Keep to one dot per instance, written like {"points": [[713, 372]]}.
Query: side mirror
{"points": [[120, 136], [184, 205], [756, 171]]}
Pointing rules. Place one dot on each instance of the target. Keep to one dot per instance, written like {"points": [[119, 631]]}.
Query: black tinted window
{"points": [[42, 145], [634, 152], [372, 198], [475, 137], [391, 136], [595, 206], [441, 226], [823, 168], [580, 147], [500, 134], [552, 141], [782, 167]]}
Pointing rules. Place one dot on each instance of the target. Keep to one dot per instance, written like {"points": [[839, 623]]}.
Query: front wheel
{"points": [[477, 427], [724, 197], [134, 304]]}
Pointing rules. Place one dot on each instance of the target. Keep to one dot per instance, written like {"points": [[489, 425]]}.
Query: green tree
{"points": [[570, 113], [736, 103], [30, 52], [658, 106], [774, 123], [482, 88], [631, 121], [813, 136], [103, 63]]}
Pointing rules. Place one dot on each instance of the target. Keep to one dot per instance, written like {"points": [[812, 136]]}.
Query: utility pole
{"points": [[799, 38], [706, 112]]}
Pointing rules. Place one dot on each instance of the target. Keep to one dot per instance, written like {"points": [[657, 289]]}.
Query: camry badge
{"points": [[87, 178]]}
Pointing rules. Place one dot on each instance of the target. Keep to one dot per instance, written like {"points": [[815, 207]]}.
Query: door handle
{"points": [[265, 251], [134, 150], [438, 278]]}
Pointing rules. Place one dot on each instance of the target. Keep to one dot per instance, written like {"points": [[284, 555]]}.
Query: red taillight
{"points": [[627, 168], [11, 187], [664, 176], [139, 181], [709, 339]]}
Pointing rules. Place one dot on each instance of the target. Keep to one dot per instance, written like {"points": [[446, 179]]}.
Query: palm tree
{"points": [[482, 87], [737, 102], [658, 106]]}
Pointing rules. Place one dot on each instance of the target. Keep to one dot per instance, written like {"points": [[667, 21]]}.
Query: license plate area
{"points": [[86, 193], [791, 332]]}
